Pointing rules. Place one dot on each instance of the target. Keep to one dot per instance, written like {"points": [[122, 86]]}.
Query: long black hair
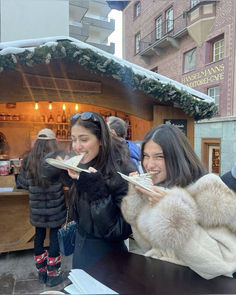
{"points": [[112, 153], [35, 157], [182, 164]]}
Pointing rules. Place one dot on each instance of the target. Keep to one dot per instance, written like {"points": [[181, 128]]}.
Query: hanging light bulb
{"points": [[36, 105], [64, 107], [76, 107], [50, 105]]}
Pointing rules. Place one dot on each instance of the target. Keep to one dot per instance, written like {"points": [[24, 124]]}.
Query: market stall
{"points": [[44, 81]]}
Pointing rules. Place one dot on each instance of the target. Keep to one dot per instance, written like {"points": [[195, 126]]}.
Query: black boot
{"points": [[41, 265], [54, 274]]}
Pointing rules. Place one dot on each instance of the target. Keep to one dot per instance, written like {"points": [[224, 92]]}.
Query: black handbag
{"points": [[66, 237]]}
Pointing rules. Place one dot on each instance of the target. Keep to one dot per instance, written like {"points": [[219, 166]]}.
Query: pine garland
{"points": [[101, 65]]}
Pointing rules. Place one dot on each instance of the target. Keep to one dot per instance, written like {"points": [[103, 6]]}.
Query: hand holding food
{"points": [[153, 197]]}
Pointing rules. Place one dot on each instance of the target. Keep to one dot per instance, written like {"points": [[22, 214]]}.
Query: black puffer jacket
{"points": [[47, 204]]}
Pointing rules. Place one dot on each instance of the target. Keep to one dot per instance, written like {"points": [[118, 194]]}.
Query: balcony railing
{"points": [[177, 26]]}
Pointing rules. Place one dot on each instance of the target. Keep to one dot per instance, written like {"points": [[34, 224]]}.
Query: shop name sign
{"points": [[210, 75]]}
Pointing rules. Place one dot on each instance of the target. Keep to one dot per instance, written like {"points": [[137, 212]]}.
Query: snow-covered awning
{"points": [[30, 52]]}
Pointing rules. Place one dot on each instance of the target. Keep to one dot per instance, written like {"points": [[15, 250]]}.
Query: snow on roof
{"points": [[20, 46]]}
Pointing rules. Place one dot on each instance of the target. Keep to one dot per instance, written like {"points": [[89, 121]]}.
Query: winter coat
{"points": [[47, 204], [95, 207], [193, 226]]}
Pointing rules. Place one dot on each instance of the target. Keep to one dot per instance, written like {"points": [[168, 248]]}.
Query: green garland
{"points": [[101, 65]]}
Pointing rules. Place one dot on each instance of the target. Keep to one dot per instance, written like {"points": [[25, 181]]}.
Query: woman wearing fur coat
{"points": [[191, 217]]}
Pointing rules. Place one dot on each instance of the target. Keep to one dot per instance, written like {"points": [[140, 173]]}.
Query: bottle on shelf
{"points": [[50, 118], [59, 118], [63, 133], [58, 133], [63, 119], [42, 118], [69, 134], [128, 135]]}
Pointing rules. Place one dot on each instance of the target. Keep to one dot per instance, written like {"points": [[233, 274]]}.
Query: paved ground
{"points": [[18, 274]]}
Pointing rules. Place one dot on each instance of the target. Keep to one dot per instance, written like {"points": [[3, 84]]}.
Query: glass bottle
{"points": [[50, 118], [63, 119], [69, 134], [128, 136], [59, 119], [63, 133], [58, 133]]}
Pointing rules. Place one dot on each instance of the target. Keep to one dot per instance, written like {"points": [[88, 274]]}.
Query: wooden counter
{"points": [[16, 232]]}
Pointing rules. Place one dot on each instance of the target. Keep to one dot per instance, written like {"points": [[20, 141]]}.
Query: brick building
{"points": [[193, 42]]}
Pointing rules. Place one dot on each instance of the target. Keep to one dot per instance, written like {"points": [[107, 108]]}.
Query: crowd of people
{"points": [[188, 218]]}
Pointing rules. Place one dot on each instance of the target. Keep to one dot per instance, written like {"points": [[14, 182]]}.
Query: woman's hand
{"points": [[153, 197], [73, 174], [59, 158], [91, 169]]}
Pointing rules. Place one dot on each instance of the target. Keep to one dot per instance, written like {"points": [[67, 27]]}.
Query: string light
{"points": [[36, 105], [76, 107], [50, 105], [64, 107]]}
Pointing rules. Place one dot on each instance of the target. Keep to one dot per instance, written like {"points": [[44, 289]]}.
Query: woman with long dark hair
{"points": [[47, 207], [189, 216], [95, 203]]}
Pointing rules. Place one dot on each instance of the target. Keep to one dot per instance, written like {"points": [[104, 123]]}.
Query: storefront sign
{"points": [[210, 75], [180, 123]]}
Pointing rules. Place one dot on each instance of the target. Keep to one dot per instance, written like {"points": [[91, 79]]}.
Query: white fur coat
{"points": [[194, 226]]}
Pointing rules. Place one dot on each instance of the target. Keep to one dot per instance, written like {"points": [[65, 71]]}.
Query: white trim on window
{"points": [[158, 28], [137, 42], [169, 14], [218, 50]]}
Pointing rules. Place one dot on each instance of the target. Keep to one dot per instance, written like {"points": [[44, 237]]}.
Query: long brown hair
{"points": [[182, 164], [35, 157]]}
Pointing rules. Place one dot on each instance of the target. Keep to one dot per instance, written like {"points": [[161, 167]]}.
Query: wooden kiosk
{"points": [[75, 77]]}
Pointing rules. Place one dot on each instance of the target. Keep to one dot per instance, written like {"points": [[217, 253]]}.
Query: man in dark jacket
{"points": [[118, 128]]}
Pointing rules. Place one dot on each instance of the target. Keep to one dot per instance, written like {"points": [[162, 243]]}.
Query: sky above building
{"points": [[116, 36]]}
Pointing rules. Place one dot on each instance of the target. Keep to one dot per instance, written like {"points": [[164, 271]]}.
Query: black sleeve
{"points": [[55, 174], [108, 221]]}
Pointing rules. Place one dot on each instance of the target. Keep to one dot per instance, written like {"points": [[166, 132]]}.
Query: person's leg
{"points": [[54, 275], [40, 257]]}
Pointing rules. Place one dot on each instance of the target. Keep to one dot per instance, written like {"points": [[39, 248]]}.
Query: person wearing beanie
{"points": [[229, 178], [47, 207], [118, 128]]}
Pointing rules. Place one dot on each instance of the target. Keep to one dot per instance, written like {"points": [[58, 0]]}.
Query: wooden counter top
{"points": [[15, 192], [9, 181]]}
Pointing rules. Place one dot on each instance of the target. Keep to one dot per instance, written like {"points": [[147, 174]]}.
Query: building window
{"points": [[137, 9], [137, 43], [169, 19], [194, 3], [218, 50], [190, 60], [214, 92], [158, 28]]}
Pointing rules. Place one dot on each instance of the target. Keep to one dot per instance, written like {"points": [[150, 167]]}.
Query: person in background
{"points": [[189, 218], [95, 203], [47, 207], [118, 128], [229, 178]]}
